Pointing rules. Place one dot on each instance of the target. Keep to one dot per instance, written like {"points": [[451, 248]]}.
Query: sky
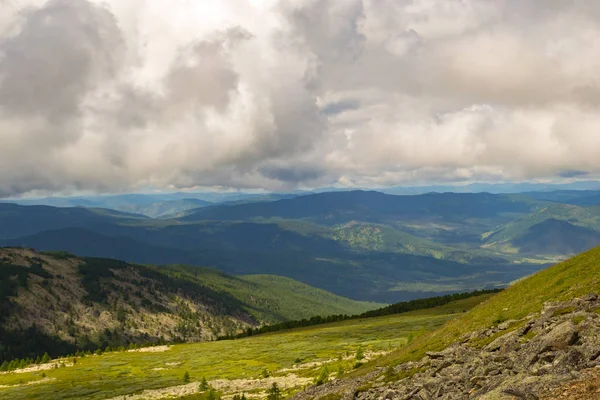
{"points": [[118, 96]]}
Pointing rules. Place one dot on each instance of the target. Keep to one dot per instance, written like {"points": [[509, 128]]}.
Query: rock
{"points": [[508, 366], [505, 325], [504, 343], [560, 337], [435, 355]]}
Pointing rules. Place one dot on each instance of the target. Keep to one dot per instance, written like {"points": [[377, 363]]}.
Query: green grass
{"points": [[273, 298], [575, 277], [112, 374]]}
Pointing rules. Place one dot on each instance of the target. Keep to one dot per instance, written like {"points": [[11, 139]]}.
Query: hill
{"points": [[504, 237], [540, 321], [557, 237], [16, 220], [63, 303]]}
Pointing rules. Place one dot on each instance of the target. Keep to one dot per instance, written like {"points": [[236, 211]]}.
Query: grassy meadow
{"points": [[573, 278], [293, 358]]}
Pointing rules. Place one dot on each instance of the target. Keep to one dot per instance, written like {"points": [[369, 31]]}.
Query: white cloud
{"points": [[120, 95]]}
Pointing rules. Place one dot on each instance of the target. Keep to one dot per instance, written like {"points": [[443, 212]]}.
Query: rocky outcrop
{"points": [[522, 359]]}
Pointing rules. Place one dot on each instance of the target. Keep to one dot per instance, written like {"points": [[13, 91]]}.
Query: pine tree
{"points": [[45, 358], [186, 377], [203, 384], [274, 393]]}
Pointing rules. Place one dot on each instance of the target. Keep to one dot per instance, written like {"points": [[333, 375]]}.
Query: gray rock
{"points": [[560, 337]]}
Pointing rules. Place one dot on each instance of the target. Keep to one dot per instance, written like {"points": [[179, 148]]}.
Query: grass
{"points": [[122, 373], [272, 298], [575, 277]]}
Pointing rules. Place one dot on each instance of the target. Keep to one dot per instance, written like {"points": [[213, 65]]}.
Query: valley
{"points": [[363, 245], [292, 358]]}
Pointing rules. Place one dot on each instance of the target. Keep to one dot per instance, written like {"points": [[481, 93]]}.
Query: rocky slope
{"points": [[553, 354]]}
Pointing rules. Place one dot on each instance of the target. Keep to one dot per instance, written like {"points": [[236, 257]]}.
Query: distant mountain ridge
{"points": [[362, 245], [558, 236], [336, 207]]}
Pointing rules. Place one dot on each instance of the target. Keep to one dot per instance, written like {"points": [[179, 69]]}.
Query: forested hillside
{"points": [[61, 304]]}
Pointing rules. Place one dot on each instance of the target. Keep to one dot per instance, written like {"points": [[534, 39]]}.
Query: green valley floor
{"points": [[293, 359]]}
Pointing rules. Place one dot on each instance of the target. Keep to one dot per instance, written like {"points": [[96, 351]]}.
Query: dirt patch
{"points": [[36, 368], [368, 356], [156, 394], [247, 385], [228, 387], [155, 349]]}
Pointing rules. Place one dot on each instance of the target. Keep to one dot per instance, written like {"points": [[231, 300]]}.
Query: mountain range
{"points": [[364, 245]]}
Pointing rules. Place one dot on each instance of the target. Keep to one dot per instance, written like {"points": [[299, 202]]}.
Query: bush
{"points": [[360, 354], [323, 377]]}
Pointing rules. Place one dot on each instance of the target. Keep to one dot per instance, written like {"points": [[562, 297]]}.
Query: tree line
{"points": [[397, 308]]}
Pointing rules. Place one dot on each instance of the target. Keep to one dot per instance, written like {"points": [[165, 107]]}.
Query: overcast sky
{"points": [[125, 95]]}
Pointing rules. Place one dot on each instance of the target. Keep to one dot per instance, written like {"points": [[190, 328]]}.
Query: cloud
{"points": [[110, 96]]}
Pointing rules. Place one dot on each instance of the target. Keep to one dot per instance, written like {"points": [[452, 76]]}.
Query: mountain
{"points": [[363, 245], [495, 188], [340, 207], [16, 220], [503, 236], [67, 303], [151, 204], [248, 248], [557, 237], [575, 197], [170, 208]]}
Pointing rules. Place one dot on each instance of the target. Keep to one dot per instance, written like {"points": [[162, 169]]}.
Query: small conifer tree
{"points": [[203, 384], [45, 358], [273, 393]]}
